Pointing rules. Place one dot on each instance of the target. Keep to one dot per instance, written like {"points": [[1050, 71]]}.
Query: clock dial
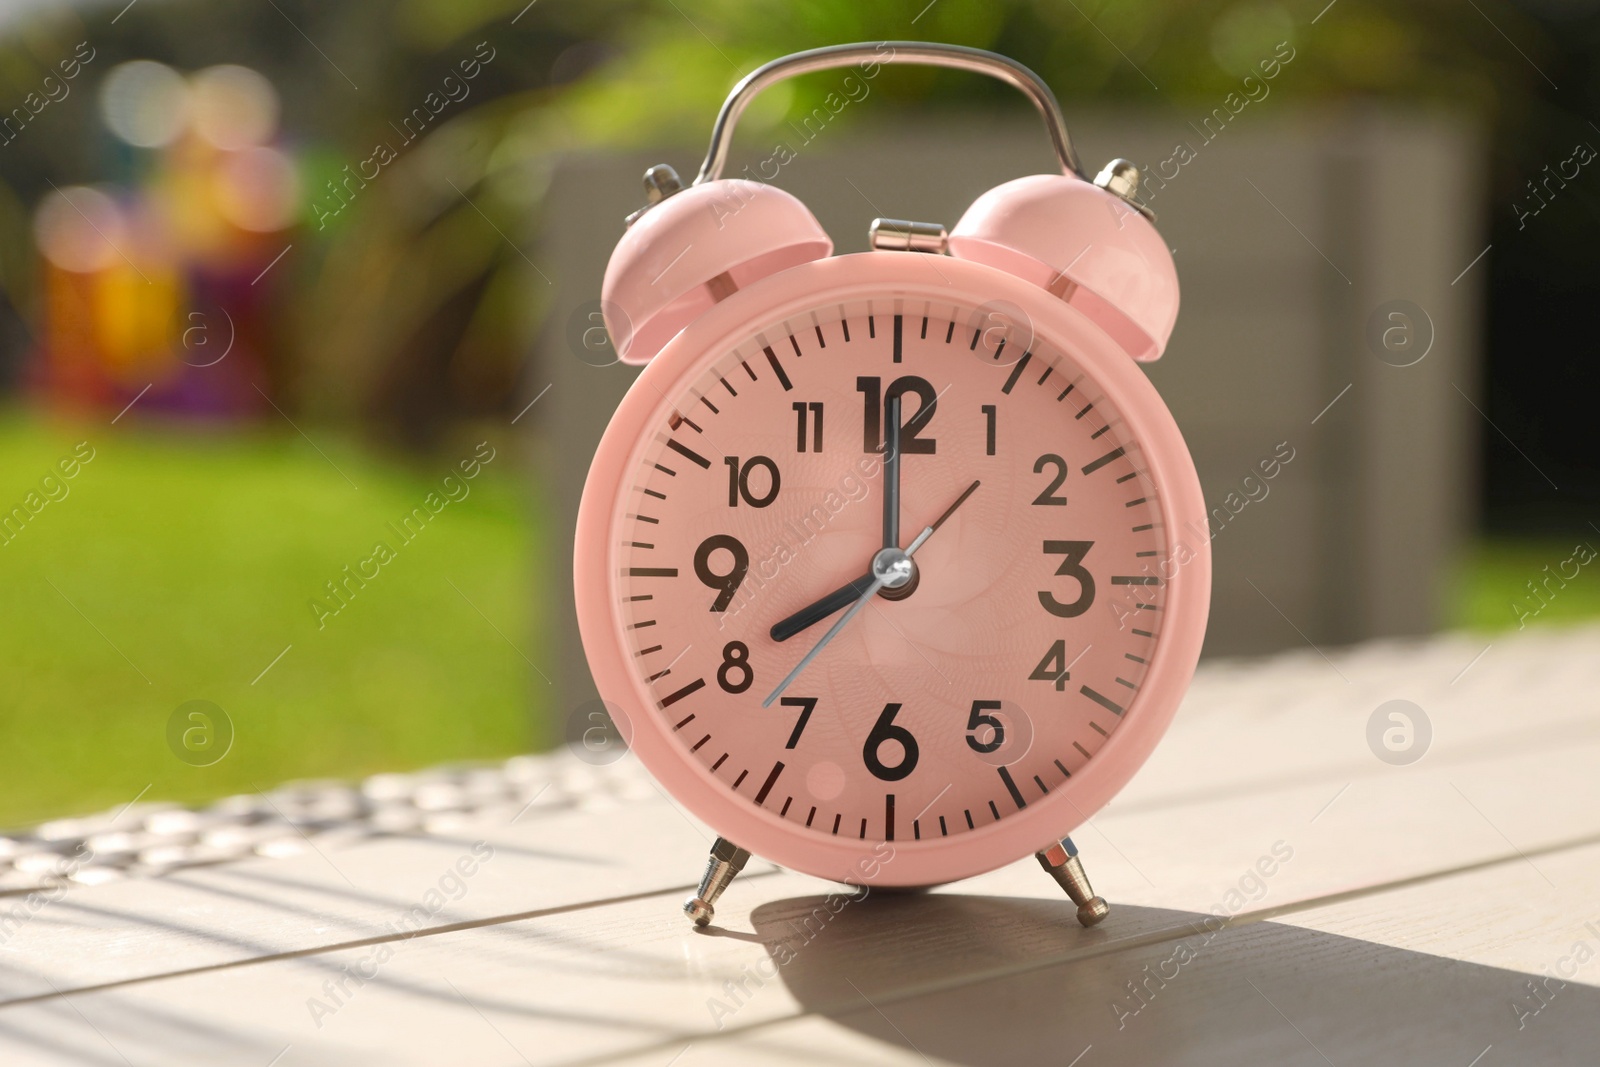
{"points": [[1027, 631]]}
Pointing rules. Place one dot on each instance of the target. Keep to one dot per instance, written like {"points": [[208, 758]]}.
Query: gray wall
{"points": [[1280, 277]]}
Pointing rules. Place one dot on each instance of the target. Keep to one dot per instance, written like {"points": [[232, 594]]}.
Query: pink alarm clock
{"points": [[894, 564]]}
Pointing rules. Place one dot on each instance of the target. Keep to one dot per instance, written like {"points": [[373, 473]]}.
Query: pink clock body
{"points": [[1057, 616]]}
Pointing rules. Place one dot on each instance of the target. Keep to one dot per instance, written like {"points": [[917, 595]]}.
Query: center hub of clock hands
{"points": [[888, 565], [893, 567]]}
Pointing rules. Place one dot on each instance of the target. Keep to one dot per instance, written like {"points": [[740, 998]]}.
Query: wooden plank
{"points": [[601, 981], [376, 889], [1253, 725], [1497, 966], [1323, 981]]}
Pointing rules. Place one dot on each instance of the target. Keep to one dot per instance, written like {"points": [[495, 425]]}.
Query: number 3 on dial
{"points": [[1072, 567]]}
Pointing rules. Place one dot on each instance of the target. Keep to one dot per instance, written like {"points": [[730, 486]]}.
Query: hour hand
{"points": [[812, 614]]}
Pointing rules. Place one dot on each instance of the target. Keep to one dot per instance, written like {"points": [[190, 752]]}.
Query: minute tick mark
{"points": [[1115, 454], [1011, 787], [783, 379], [1101, 699], [688, 453], [672, 698], [1016, 372]]}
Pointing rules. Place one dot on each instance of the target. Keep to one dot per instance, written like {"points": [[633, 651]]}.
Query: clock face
{"points": [[1031, 624]]}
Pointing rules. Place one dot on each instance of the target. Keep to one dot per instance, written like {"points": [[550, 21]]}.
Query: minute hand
{"points": [[891, 473], [882, 569]]}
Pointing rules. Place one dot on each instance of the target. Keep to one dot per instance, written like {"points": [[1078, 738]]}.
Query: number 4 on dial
{"points": [[1053, 668]]}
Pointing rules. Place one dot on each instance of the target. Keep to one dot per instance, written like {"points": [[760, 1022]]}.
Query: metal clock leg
{"points": [[1061, 861], [727, 859]]}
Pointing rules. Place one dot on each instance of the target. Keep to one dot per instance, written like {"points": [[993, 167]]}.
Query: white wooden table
{"points": [[1443, 912]]}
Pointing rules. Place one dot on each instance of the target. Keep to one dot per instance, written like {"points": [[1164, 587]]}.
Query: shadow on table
{"points": [[960, 978]]}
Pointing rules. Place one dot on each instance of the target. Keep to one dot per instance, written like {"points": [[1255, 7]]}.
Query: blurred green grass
{"points": [[181, 562], [1493, 592]]}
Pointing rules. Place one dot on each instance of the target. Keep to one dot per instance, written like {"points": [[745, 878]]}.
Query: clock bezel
{"points": [[734, 321]]}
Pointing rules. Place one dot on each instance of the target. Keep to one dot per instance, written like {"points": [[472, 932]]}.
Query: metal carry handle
{"points": [[911, 52]]}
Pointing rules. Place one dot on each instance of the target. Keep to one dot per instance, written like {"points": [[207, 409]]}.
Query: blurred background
{"points": [[284, 285]]}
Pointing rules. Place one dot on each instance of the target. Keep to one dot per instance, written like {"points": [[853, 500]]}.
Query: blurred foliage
{"points": [[194, 555], [1516, 584], [418, 304]]}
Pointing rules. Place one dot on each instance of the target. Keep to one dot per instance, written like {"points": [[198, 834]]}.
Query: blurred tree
{"points": [[408, 310]]}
